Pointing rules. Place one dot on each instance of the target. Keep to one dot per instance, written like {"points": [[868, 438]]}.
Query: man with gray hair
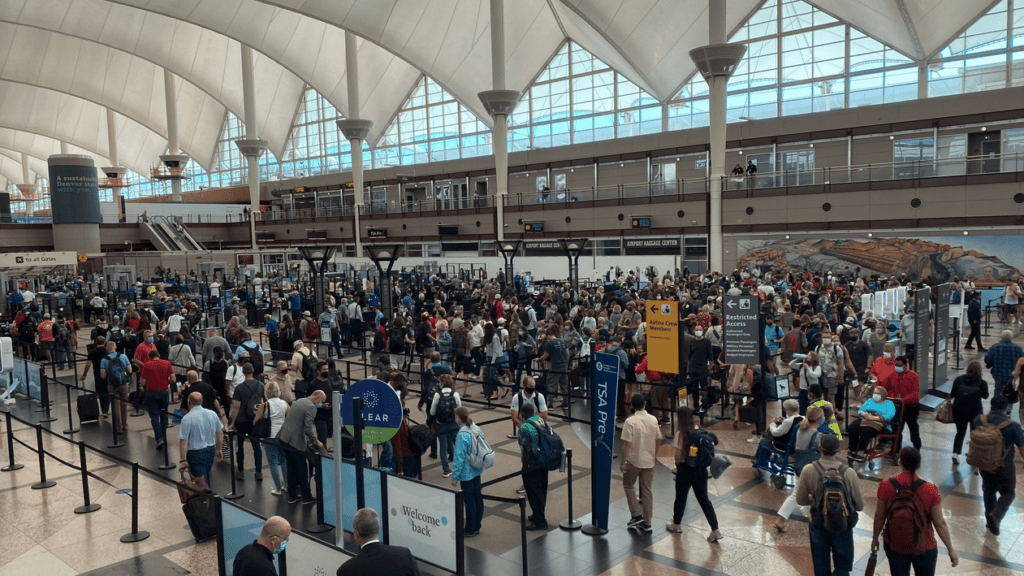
{"points": [[1001, 360], [373, 556]]}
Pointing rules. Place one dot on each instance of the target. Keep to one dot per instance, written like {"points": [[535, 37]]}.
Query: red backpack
{"points": [[906, 520], [312, 329]]}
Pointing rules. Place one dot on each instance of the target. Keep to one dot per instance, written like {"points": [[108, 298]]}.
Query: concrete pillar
{"points": [[251, 146], [75, 203], [499, 103], [28, 186], [172, 129], [64, 148], [716, 63], [355, 130], [115, 172]]}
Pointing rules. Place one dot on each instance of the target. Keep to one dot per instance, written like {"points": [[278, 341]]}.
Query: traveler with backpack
{"points": [[46, 337], [539, 445], [908, 514], [442, 410], [256, 354], [245, 402], [694, 450], [641, 436], [472, 455], [805, 451], [833, 491], [65, 340], [993, 439], [115, 370], [967, 393], [528, 395]]}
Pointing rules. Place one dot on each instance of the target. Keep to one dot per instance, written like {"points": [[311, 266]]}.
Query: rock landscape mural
{"points": [[988, 260]]}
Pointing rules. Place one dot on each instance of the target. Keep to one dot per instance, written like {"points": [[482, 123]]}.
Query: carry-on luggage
{"points": [[88, 408], [202, 517]]}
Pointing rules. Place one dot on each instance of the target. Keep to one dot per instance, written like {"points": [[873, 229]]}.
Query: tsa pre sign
{"points": [[382, 410], [663, 336], [602, 434]]}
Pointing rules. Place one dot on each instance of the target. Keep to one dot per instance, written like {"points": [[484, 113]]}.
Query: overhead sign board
{"points": [[640, 221], [377, 233], [663, 336], [382, 410], [28, 259], [741, 333]]}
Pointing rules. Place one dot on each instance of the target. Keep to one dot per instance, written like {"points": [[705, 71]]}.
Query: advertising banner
{"points": [[922, 338], [423, 520], [939, 372], [382, 410], [602, 434], [663, 336]]}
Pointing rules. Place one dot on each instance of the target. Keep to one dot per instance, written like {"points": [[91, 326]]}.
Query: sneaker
{"points": [[294, 500], [470, 534], [992, 524], [447, 475], [634, 521], [645, 528], [532, 527], [277, 492], [956, 460], [259, 476], [160, 445], [753, 440], [715, 536], [308, 501], [239, 475], [968, 347], [512, 436], [673, 527]]}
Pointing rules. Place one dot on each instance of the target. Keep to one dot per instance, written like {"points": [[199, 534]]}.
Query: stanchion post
{"points": [[135, 535], [43, 482], [11, 464], [137, 410], [71, 419], [89, 506], [167, 464], [44, 397], [570, 523], [321, 525], [522, 533], [234, 494], [357, 414]]}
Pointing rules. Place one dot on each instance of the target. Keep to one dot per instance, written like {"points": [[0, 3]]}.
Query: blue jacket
{"points": [[461, 469]]}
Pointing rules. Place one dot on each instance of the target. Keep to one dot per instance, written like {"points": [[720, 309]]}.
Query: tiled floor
{"points": [[43, 536]]}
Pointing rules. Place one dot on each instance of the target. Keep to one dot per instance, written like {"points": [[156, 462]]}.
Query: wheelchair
{"points": [[886, 444], [777, 462]]}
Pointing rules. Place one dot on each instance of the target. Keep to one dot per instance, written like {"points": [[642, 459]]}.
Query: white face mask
{"points": [[887, 355], [877, 398], [698, 333]]}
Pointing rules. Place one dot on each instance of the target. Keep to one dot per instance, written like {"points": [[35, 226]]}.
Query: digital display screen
{"points": [[534, 227]]}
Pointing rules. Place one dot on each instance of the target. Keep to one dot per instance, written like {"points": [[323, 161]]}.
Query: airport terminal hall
{"points": [[511, 287]]}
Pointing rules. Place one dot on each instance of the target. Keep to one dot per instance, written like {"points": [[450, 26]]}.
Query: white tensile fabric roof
{"points": [[63, 62]]}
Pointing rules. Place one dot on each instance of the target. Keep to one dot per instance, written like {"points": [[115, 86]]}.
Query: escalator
{"points": [[169, 236], [181, 235]]}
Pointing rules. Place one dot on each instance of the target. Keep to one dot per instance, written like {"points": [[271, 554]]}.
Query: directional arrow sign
{"points": [[741, 333], [663, 337]]}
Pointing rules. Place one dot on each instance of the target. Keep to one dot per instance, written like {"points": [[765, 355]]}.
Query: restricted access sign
{"points": [[382, 410], [741, 334], [663, 336]]}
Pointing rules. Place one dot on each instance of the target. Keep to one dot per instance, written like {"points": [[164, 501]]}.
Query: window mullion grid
{"points": [[846, 69]]}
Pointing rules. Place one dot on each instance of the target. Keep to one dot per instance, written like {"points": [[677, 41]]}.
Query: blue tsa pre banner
{"points": [[602, 434]]}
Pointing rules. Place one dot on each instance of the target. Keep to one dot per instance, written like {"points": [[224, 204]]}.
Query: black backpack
{"points": [[396, 341], [702, 449], [832, 509], [252, 401], [446, 408], [524, 316], [117, 337], [255, 358], [308, 366], [421, 437]]}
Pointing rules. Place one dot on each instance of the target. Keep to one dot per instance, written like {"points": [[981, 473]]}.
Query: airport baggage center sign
{"points": [[741, 333]]}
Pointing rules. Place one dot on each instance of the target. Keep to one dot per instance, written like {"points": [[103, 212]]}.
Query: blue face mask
{"points": [[319, 404], [899, 369], [150, 340], [284, 544]]}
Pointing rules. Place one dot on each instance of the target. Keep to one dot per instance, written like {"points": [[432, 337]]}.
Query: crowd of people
{"points": [[481, 340]]}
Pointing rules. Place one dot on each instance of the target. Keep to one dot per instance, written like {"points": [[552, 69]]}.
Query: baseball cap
{"points": [[830, 444], [851, 320], [248, 369], [306, 313], [501, 321], [243, 354], [296, 344]]}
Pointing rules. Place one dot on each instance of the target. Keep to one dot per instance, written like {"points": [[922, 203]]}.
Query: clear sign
{"points": [[382, 410], [741, 332]]}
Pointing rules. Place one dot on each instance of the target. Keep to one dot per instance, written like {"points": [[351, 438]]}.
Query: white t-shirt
{"points": [[1011, 295], [537, 401], [278, 409]]}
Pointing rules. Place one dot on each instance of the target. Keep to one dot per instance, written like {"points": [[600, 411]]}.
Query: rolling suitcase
{"points": [[202, 517], [88, 408]]}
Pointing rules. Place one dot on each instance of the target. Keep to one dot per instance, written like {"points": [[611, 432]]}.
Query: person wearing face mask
{"points": [[808, 371], [141, 355], [297, 431], [773, 337], [859, 355], [874, 416], [283, 379], [322, 383], [528, 395], [905, 385], [884, 365], [257, 559], [833, 364], [118, 393]]}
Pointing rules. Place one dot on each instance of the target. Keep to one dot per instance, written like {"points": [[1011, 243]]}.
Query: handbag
{"points": [[191, 486], [869, 569], [1010, 392], [261, 426], [874, 424], [944, 413]]}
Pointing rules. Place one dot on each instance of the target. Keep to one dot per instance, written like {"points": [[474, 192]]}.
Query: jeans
{"points": [[697, 478], [536, 484], [103, 394], [446, 440], [64, 354], [387, 457], [910, 414], [827, 548], [998, 387], [478, 360], [1004, 482], [923, 564], [805, 400], [157, 403], [961, 432], [242, 431], [298, 478], [276, 458], [200, 461], [473, 500]]}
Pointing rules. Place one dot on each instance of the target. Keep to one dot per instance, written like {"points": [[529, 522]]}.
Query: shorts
{"points": [[833, 385], [47, 345]]}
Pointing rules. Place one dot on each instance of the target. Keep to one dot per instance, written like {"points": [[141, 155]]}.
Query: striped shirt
{"points": [[200, 427]]}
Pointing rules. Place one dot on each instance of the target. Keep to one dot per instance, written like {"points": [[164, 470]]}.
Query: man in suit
{"points": [[374, 556], [295, 434]]}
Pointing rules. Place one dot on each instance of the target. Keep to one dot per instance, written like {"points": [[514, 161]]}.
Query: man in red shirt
{"points": [[46, 337], [156, 377], [142, 351], [903, 383]]}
